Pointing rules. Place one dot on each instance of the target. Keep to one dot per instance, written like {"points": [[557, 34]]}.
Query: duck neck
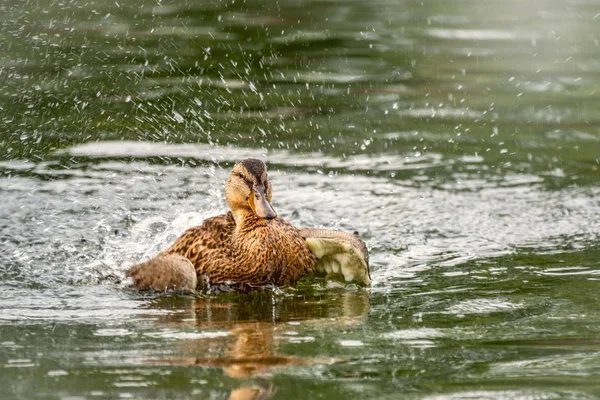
{"points": [[247, 223], [247, 234], [242, 218]]}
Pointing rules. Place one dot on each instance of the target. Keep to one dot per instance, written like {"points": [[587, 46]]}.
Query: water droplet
{"points": [[178, 117]]}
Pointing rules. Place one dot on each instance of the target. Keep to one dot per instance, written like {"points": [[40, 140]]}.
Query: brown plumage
{"points": [[249, 244]]}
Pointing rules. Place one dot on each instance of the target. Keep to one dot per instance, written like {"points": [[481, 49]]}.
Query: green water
{"points": [[460, 139]]}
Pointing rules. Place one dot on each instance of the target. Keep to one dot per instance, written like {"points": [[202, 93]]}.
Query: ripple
{"points": [[415, 333], [569, 271], [113, 332], [175, 334], [57, 372], [418, 337], [475, 34], [483, 306], [446, 113], [69, 304], [500, 395], [351, 343], [20, 363], [576, 364], [219, 154]]}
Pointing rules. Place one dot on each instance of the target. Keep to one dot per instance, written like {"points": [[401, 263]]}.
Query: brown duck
{"points": [[250, 245]]}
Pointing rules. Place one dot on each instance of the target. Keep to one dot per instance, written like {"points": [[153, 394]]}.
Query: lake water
{"points": [[460, 139]]}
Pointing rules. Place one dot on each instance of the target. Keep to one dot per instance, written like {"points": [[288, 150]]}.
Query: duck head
{"points": [[248, 190]]}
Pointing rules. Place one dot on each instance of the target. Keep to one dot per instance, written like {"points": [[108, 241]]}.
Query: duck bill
{"points": [[261, 207]]}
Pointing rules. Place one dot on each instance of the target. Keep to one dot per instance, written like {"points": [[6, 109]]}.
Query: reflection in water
{"points": [[255, 325]]}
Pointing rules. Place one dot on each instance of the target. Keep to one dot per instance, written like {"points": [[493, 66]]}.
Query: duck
{"points": [[250, 245]]}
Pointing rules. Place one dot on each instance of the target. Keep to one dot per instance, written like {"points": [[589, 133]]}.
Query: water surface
{"points": [[460, 139]]}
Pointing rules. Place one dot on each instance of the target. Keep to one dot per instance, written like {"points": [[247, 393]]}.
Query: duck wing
{"points": [[339, 254]]}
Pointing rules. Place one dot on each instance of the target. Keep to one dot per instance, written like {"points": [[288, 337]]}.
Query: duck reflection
{"points": [[243, 332]]}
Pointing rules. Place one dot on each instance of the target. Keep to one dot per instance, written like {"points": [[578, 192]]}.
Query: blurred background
{"points": [[460, 139]]}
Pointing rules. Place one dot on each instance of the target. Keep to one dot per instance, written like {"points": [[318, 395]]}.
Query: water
{"points": [[460, 139]]}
